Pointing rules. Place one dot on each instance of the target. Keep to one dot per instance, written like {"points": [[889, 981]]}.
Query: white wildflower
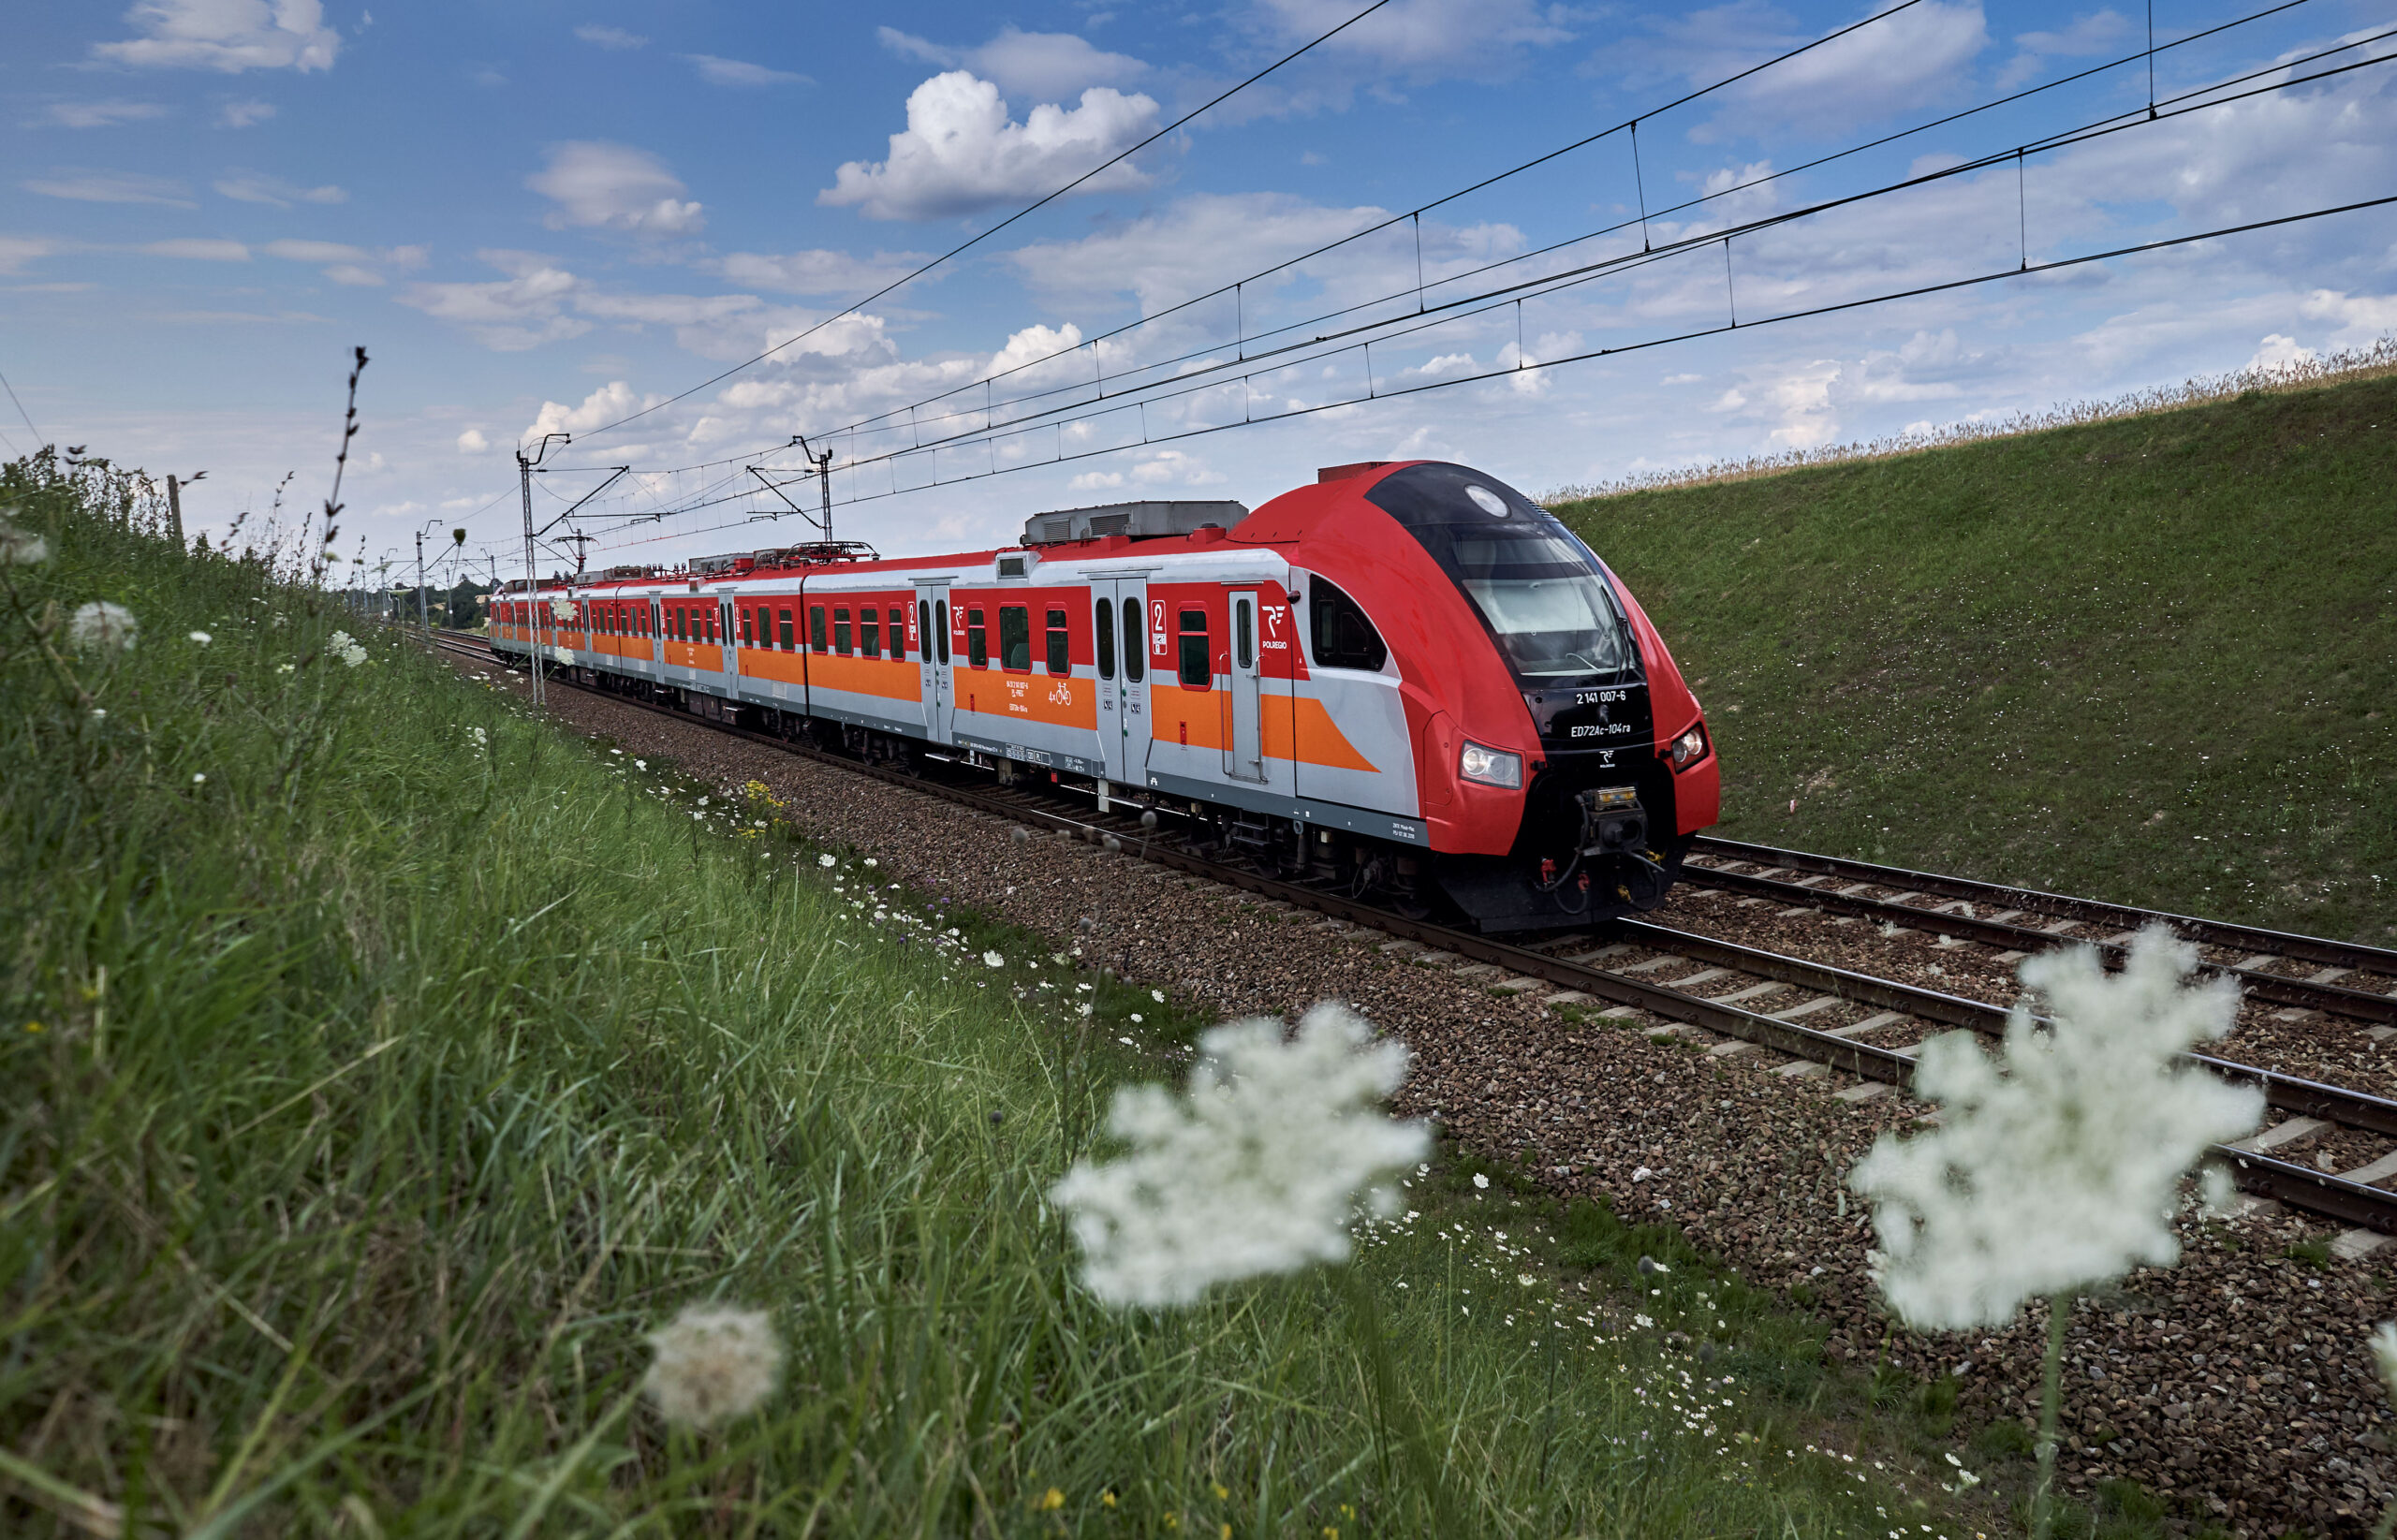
{"points": [[1480, 1181], [994, 960], [198, 780], [104, 627], [871, 861], [561, 610], [1136, 1019], [1642, 1322], [640, 764], [481, 738], [2057, 1165], [203, 637], [2384, 1352], [1082, 1009], [19, 546], [1255, 1170], [1158, 995], [713, 1362], [826, 860]]}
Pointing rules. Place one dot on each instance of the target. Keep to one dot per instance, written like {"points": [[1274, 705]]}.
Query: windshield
{"points": [[1537, 586]]}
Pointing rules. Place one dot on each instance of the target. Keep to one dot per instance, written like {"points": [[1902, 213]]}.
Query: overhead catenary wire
{"points": [[1645, 215], [1918, 291], [1190, 382], [978, 239], [39, 439]]}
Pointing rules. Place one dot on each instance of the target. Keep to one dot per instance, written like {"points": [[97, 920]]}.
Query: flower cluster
{"points": [[100, 627], [1255, 1170], [19, 546], [346, 648], [2058, 1164], [715, 1362]]}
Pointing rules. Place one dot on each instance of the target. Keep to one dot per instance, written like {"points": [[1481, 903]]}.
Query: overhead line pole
{"points": [[525, 479]]}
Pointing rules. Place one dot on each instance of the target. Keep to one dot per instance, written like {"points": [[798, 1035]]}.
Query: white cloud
{"points": [[2279, 352], [2090, 33], [472, 441], [200, 250], [961, 151], [1041, 67], [819, 272], [1908, 61], [604, 404], [350, 275], [112, 187], [103, 114], [318, 250], [610, 37], [508, 315], [717, 71], [258, 187], [243, 114], [231, 35], [234, 317], [1419, 41], [613, 186], [18, 250]]}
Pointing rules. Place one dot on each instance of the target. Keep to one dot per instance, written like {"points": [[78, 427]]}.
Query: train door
{"points": [[1243, 734], [1120, 634], [940, 700], [730, 620]]}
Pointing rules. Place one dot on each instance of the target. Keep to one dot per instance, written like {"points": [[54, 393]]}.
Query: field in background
{"points": [[380, 1065], [2145, 659]]}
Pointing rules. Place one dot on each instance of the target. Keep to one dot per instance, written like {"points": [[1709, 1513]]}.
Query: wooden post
{"points": [[175, 512]]}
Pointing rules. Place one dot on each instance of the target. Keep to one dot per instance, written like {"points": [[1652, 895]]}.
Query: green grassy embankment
{"points": [[380, 1065], [2152, 660]]}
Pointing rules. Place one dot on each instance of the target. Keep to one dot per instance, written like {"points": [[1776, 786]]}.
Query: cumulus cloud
{"points": [[819, 272], [258, 187], [610, 37], [600, 186], [243, 114], [472, 441], [717, 71], [231, 35], [961, 152], [112, 188], [102, 115], [606, 404], [1041, 67]]}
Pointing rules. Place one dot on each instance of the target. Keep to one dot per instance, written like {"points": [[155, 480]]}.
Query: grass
{"points": [[381, 1066], [2143, 659]]}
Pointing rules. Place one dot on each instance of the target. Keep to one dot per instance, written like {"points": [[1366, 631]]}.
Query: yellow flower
{"points": [[1106, 1499], [33, 1026], [1225, 1533], [1051, 1501], [1331, 1534], [1221, 1491], [1173, 1520], [1348, 1510]]}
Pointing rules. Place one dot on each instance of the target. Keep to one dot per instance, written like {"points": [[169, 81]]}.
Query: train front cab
{"points": [[1563, 765]]}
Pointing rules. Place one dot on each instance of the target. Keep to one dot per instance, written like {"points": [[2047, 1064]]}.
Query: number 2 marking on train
{"points": [[1157, 626]]}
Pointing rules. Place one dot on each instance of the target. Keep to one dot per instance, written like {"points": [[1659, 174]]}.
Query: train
{"points": [[1405, 680]]}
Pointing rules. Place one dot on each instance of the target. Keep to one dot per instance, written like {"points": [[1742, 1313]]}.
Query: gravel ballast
{"points": [[2238, 1382]]}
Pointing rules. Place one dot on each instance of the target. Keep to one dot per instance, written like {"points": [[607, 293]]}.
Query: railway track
{"points": [[1572, 965]]}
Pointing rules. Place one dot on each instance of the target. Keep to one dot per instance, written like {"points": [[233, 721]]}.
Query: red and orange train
{"points": [[1407, 679]]}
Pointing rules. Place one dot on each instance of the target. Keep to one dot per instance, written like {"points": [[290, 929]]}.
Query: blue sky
{"points": [[545, 216]]}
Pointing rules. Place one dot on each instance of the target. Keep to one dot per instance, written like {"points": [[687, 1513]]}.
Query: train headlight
{"points": [[1491, 767], [1689, 748]]}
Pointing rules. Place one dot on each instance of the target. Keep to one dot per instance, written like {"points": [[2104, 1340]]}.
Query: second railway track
{"points": [[1572, 965]]}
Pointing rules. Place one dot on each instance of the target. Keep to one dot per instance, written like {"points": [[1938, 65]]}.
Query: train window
{"points": [[1135, 643], [712, 617], [940, 628], [1015, 637], [1102, 631], [1198, 663], [898, 631], [977, 647], [870, 632], [841, 632], [924, 629], [1343, 638], [815, 628], [1245, 631], [788, 640], [748, 635], [1060, 653]]}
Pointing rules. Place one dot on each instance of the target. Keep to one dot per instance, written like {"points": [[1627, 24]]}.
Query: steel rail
{"points": [[2317, 1191], [2289, 1092], [2317, 949], [2335, 998]]}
